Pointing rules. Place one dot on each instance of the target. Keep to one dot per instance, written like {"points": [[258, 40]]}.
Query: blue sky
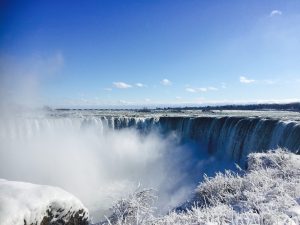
{"points": [[123, 53]]}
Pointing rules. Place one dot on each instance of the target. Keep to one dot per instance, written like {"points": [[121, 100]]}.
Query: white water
{"points": [[96, 159], [96, 164]]}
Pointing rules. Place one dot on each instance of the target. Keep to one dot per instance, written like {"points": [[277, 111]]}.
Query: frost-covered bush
{"points": [[285, 164], [136, 209], [223, 188], [268, 193]]}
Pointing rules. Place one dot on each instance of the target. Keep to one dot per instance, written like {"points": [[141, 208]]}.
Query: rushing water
{"points": [[98, 155], [227, 136]]}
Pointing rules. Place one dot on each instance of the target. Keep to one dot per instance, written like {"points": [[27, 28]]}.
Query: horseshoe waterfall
{"points": [[101, 156]]}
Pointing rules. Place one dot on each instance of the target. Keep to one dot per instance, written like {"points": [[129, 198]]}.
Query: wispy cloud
{"points": [[202, 89], [166, 82], [212, 89], [192, 90], [270, 81], [245, 80], [275, 12], [121, 85], [107, 89], [140, 85], [124, 102], [21, 78]]}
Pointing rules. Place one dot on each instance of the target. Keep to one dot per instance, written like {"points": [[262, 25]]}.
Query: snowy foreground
{"points": [[24, 203], [268, 192]]}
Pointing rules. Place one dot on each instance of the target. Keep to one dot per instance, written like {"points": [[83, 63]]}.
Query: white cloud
{"points": [[212, 88], [166, 82], [107, 89], [124, 102], [139, 85], [192, 90], [275, 12], [223, 85], [202, 89], [245, 80], [269, 81], [121, 85]]}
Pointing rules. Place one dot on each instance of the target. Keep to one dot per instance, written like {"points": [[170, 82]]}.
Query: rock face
{"points": [[30, 204], [76, 219]]}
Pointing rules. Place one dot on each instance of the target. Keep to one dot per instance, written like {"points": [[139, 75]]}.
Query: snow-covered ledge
{"points": [[25, 203]]}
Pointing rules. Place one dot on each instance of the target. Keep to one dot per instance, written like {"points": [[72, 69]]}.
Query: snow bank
{"points": [[25, 203], [268, 193]]}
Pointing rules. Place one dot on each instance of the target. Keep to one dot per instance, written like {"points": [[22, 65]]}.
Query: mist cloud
{"points": [[21, 78], [95, 164]]}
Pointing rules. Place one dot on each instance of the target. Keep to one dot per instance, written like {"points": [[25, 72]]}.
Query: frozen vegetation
{"points": [[25, 203], [267, 192]]}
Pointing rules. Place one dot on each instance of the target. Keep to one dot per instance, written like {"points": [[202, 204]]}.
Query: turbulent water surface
{"points": [[100, 155]]}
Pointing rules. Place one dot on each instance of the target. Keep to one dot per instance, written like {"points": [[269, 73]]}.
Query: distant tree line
{"points": [[285, 107]]}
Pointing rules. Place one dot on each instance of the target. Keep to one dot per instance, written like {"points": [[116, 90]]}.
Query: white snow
{"points": [[20, 201], [268, 192]]}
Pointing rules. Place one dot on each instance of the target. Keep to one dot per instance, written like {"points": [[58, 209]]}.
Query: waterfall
{"points": [[229, 137]]}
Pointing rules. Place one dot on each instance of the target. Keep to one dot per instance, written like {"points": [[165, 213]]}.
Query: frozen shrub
{"points": [[136, 209], [267, 193], [269, 188], [286, 164], [223, 188]]}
